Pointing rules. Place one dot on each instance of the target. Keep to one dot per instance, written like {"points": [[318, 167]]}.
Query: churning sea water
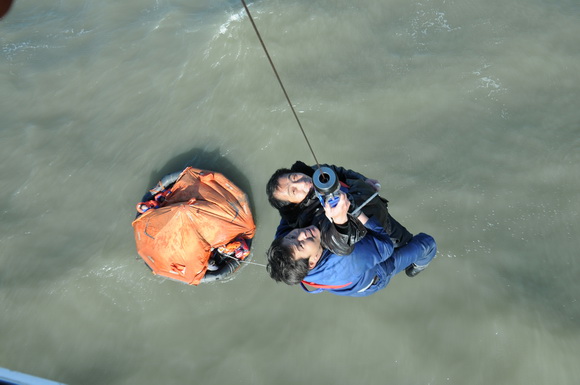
{"points": [[467, 112]]}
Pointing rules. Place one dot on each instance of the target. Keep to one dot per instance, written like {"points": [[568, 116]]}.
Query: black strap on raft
{"points": [[280, 81]]}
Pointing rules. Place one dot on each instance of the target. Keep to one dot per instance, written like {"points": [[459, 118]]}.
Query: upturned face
{"points": [[305, 244], [293, 187]]}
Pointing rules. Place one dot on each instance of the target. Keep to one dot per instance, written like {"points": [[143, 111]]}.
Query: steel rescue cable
{"points": [[322, 177], [244, 261], [279, 80]]}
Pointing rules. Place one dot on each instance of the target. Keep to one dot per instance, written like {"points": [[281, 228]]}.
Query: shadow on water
{"points": [[207, 160]]}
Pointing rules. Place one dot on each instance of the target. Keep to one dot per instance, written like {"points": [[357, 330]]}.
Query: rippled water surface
{"points": [[466, 111]]}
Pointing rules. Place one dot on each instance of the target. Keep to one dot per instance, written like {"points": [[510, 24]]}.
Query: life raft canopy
{"points": [[200, 213]]}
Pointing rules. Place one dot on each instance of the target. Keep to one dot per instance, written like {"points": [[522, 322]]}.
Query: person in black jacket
{"points": [[291, 192]]}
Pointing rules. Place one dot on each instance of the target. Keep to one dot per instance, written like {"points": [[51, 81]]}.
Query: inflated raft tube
{"points": [[227, 267]]}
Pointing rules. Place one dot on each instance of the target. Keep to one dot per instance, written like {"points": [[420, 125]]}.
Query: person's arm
{"points": [[377, 246], [341, 240], [339, 230]]}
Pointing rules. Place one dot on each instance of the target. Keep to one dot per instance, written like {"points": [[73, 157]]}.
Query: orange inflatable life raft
{"points": [[203, 214]]}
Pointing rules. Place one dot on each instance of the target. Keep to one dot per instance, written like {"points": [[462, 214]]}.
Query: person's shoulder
{"points": [[302, 167]]}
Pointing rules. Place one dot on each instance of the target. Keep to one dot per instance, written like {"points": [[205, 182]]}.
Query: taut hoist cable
{"points": [[279, 81]]}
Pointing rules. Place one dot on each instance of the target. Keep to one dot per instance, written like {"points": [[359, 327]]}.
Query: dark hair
{"points": [[282, 266], [272, 186]]}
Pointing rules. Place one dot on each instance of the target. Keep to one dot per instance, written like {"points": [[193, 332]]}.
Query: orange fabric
{"points": [[204, 211]]}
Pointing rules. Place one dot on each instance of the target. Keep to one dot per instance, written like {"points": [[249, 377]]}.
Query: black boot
{"points": [[412, 270]]}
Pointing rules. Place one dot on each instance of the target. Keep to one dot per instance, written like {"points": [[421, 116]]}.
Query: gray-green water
{"points": [[466, 111]]}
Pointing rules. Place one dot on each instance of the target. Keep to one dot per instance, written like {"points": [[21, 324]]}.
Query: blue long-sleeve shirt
{"points": [[352, 274]]}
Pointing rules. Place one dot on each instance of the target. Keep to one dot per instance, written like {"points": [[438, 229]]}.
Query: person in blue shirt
{"points": [[300, 258]]}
